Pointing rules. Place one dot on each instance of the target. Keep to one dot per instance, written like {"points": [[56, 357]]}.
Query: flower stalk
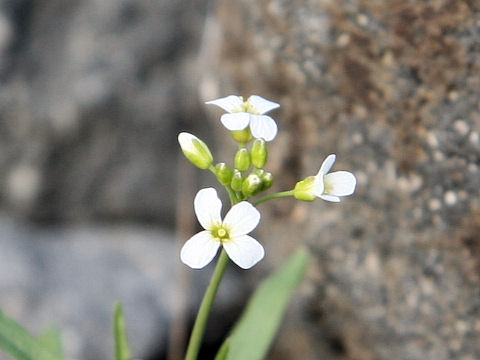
{"points": [[247, 177], [205, 308]]}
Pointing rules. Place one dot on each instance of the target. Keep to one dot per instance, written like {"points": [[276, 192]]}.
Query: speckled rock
{"points": [[92, 96], [392, 88]]}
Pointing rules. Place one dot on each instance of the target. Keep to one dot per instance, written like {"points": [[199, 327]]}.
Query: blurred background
{"points": [[96, 200]]}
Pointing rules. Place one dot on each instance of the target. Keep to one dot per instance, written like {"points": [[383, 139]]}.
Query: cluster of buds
{"points": [[251, 129], [248, 177]]}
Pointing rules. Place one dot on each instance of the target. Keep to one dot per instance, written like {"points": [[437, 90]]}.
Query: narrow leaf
{"points": [[223, 352], [52, 340], [256, 329], [19, 344], [122, 351]]}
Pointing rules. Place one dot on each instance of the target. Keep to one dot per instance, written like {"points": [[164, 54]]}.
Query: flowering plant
{"points": [[247, 178], [243, 181]]}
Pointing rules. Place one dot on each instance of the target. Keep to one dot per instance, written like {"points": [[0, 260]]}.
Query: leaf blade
{"points": [[122, 350], [258, 325], [17, 342], [52, 340]]}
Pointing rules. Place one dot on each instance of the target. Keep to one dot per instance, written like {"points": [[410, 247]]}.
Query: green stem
{"points": [[205, 307], [233, 197], [207, 302], [274, 196]]}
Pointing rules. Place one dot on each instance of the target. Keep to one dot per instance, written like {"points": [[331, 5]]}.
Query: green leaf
{"points": [[52, 340], [19, 344], [224, 349], [122, 351], [252, 336]]}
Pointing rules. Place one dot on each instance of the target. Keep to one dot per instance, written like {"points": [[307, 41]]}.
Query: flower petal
{"points": [[327, 164], [199, 250], [331, 198], [207, 207], [241, 219], [229, 103], [340, 183], [235, 121], [244, 251], [263, 127], [318, 185], [262, 105], [186, 141]]}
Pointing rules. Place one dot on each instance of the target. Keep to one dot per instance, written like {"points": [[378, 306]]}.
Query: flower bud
{"points": [[259, 153], [224, 173], [242, 159], [304, 189], [237, 180], [195, 150], [242, 136], [251, 185], [267, 180]]}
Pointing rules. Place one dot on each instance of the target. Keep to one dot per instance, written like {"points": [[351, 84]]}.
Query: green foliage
{"points": [[122, 351], [21, 345], [52, 340], [256, 329], [223, 352]]}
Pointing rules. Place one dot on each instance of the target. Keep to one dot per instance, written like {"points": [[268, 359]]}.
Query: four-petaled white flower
{"points": [[231, 233], [324, 185], [251, 112], [329, 186]]}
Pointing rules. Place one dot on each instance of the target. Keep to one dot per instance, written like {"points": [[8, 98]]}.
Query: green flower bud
{"points": [[242, 136], [304, 189], [237, 180], [267, 180], [259, 172], [251, 185], [195, 150], [242, 159], [224, 173], [259, 153]]}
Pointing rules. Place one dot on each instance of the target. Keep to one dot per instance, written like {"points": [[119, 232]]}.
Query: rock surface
{"points": [[92, 96], [70, 278], [392, 88]]}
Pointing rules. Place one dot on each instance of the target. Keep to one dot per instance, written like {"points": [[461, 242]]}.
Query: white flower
{"points": [[231, 233], [326, 186], [330, 186], [251, 112]]}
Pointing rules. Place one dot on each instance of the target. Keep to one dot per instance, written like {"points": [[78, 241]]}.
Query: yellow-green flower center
{"points": [[221, 233], [247, 107]]}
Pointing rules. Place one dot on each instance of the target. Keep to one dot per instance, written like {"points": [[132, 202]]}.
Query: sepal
{"points": [[251, 185], [195, 150], [304, 189], [242, 159], [259, 153], [237, 180], [224, 173]]}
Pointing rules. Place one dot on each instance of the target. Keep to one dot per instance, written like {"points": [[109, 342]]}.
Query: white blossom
{"points": [[242, 114], [231, 233], [330, 186]]}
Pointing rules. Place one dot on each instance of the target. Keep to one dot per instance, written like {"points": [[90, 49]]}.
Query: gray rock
{"points": [[69, 278], [92, 96]]}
